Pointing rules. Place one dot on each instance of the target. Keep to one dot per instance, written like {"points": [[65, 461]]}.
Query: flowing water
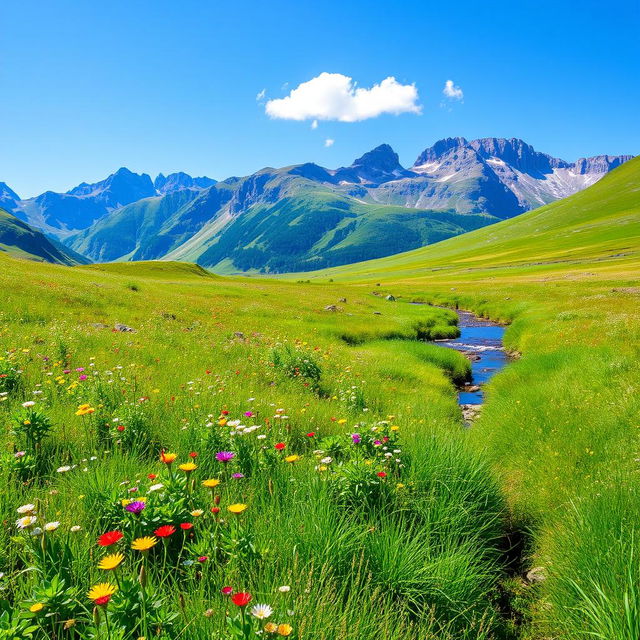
{"points": [[481, 341]]}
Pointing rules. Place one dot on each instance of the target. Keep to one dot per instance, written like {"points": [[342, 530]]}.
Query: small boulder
{"points": [[99, 325], [377, 313], [390, 298], [342, 300], [536, 575], [331, 307], [238, 335], [123, 328]]}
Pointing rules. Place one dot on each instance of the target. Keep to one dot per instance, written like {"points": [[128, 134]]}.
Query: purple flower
{"points": [[377, 443], [225, 456], [66, 371], [237, 476], [248, 414], [80, 369], [82, 377], [135, 507], [356, 438], [19, 454]]}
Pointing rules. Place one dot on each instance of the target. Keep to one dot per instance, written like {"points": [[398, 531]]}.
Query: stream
{"points": [[481, 341]]}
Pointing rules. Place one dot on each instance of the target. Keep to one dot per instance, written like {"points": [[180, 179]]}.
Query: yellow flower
{"points": [[222, 422], [293, 458], [38, 606], [110, 562], [102, 592], [284, 629], [188, 467], [399, 485], [211, 483], [395, 427], [167, 457], [237, 508], [196, 513], [341, 421], [271, 627], [144, 544]]}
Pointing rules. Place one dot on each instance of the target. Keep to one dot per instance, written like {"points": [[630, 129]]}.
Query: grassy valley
{"points": [[321, 462]]}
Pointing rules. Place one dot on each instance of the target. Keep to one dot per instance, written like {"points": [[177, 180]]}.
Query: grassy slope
{"points": [[561, 424], [356, 567], [18, 239]]}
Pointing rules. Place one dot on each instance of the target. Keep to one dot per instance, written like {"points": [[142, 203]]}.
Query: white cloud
{"points": [[452, 91], [333, 96], [261, 95], [314, 124], [329, 142]]}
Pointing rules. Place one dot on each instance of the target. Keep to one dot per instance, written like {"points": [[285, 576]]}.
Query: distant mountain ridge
{"points": [[306, 216]]}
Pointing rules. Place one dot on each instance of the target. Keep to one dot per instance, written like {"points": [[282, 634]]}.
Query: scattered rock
{"points": [[376, 293], [123, 328], [377, 284], [331, 307], [472, 388], [470, 411], [169, 316], [238, 335], [390, 298], [342, 300], [536, 575], [99, 325], [377, 313]]}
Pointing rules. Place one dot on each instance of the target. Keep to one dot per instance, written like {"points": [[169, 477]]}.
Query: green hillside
{"points": [[275, 221], [599, 223], [18, 239]]}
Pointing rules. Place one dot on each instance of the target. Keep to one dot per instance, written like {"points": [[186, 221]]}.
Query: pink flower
{"points": [[226, 591]]}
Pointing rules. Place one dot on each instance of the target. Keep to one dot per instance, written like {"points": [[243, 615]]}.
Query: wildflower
{"points": [[226, 591], [215, 510], [144, 544], [311, 434], [165, 531], [399, 485], [120, 428], [381, 474], [196, 513], [284, 629], [280, 446], [237, 476], [342, 421], [85, 409], [395, 428], [237, 508], [51, 526], [241, 599], [109, 538], [203, 559], [152, 476], [156, 487], [28, 404], [185, 526], [225, 456], [26, 509], [285, 588], [101, 593], [188, 467], [293, 458], [208, 613], [167, 458], [36, 532], [75, 528], [63, 469], [110, 562], [327, 460], [38, 606], [26, 522], [271, 627], [70, 623], [135, 507], [355, 437], [261, 611]]}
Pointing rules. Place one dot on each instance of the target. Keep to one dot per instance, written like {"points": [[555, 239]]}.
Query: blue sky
{"points": [[166, 86]]}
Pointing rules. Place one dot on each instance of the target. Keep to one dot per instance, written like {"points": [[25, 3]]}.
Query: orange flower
{"points": [[167, 458]]}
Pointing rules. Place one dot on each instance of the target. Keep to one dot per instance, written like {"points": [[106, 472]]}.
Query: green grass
{"points": [[413, 554]]}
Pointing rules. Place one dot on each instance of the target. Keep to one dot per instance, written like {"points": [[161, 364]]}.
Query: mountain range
{"points": [[305, 217]]}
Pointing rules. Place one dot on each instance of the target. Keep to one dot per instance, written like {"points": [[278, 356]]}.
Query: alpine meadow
{"points": [[325, 399]]}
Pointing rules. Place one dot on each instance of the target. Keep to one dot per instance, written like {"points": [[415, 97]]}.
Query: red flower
{"points": [[215, 509], [280, 446], [193, 454], [225, 412], [203, 559], [241, 599], [120, 427], [381, 474], [152, 476], [311, 434], [109, 538], [185, 526], [165, 531], [103, 600], [226, 591]]}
